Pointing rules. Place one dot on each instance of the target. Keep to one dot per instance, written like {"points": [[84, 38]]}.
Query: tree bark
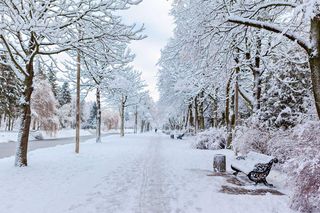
{"points": [[122, 116], [148, 127], [227, 112], [142, 126], [77, 148], [257, 76], [236, 104], [314, 61], [201, 116], [23, 136], [136, 120], [98, 129], [191, 120], [196, 115]]}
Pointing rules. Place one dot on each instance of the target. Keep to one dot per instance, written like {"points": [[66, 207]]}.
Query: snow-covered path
{"points": [[138, 173]]}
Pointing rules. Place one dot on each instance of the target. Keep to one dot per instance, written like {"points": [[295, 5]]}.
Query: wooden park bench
{"points": [[255, 165]]}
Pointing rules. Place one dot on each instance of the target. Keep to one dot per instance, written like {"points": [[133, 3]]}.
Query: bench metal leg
{"points": [[236, 170], [266, 183]]}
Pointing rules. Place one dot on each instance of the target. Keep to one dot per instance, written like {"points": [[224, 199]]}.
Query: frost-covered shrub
{"points": [[299, 150], [286, 96], [213, 138], [250, 139], [306, 197]]}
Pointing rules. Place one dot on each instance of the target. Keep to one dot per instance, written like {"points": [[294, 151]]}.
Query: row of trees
{"points": [[33, 33], [231, 62]]}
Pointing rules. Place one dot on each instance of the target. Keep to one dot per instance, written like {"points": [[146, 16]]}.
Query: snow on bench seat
{"points": [[256, 166], [247, 163]]}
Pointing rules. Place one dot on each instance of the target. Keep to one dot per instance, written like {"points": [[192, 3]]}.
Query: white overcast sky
{"points": [[154, 14]]}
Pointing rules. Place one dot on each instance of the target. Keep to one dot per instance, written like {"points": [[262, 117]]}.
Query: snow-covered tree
{"points": [[101, 64], [125, 90], [10, 92], [298, 21], [45, 28], [64, 96], [91, 123], [44, 105], [52, 78]]}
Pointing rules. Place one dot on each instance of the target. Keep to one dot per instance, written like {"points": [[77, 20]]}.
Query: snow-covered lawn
{"points": [[12, 136], [139, 173]]}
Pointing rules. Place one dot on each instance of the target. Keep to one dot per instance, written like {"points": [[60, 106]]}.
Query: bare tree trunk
{"points": [[201, 116], [236, 97], [314, 60], [77, 148], [122, 116], [227, 113], [191, 119], [12, 123], [9, 123], [34, 124], [214, 113], [142, 126], [98, 129], [236, 104], [23, 135], [136, 120], [148, 127], [196, 118], [257, 76]]}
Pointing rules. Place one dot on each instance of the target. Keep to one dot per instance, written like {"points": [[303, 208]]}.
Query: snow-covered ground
{"points": [[138, 173], [12, 136]]}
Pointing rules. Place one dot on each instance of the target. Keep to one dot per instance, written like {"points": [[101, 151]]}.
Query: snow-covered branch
{"points": [[271, 27]]}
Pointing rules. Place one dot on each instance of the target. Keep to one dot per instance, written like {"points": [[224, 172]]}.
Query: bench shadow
{"points": [[242, 191], [239, 183]]}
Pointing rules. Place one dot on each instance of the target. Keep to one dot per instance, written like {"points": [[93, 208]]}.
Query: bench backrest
{"points": [[258, 157], [251, 159]]}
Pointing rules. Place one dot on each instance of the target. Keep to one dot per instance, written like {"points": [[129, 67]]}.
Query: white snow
{"points": [[6, 136], [137, 173]]}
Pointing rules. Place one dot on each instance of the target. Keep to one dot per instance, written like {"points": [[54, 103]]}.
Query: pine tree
{"points": [[65, 94], [10, 92], [53, 81], [92, 121]]}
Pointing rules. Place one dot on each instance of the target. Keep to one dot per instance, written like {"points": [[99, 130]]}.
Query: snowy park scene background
{"points": [[159, 106]]}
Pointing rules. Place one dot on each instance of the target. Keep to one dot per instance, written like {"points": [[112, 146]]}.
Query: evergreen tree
{"points": [[10, 92], [53, 81], [65, 94], [92, 121]]}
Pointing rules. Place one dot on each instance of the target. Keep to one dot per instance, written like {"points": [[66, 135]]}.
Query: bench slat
{"points": [[248, 164]]}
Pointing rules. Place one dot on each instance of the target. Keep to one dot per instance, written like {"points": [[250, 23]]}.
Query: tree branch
{"points": [[272, 28]]}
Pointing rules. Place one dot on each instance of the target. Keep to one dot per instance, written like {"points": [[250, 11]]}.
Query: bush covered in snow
{"points": [[299, 150], [248, 139], [213, 138], [306, 197]]}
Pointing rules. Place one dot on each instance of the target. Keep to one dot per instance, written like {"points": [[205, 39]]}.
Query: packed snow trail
{"points": [[138, 173]]}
